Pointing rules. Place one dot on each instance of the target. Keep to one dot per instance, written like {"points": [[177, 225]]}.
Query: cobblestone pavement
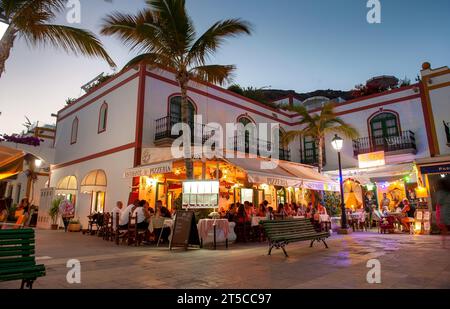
{"points": [[407, 261]]}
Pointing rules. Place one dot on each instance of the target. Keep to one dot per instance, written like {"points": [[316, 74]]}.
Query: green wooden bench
{"points": [[282, 232], [17, 261]]}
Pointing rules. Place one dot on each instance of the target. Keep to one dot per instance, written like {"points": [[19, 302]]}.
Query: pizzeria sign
{"points": [[149, 170]]}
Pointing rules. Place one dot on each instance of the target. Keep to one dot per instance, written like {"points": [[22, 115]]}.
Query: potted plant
{"points": [[53, 213], [74, 225]]}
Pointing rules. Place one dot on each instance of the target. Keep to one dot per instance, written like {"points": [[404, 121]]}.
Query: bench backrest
{"points": [[17, 248], [288, 227]]}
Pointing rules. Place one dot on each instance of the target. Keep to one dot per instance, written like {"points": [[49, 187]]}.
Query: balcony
{"points": [[257, 146], [164, 136], [404, 143]]}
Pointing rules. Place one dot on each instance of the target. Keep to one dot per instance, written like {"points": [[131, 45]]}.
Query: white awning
{"points": [[311, 179], [94, 181], [377, 174], [257, 172]]}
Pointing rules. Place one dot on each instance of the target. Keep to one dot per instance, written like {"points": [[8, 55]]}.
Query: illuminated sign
{"points": [[372, 159], [277, 182], [149, 170], [201, 194]]}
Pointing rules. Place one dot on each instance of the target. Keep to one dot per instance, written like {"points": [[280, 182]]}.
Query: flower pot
{"points": [[74, 227], [54, 227]]}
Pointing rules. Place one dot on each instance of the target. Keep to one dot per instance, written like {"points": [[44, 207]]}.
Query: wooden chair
{"points": [[107, 226], [118, 233], [135, 235]]}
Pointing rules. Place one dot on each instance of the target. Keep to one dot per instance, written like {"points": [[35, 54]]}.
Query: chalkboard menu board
{"points": [[185, 231]]}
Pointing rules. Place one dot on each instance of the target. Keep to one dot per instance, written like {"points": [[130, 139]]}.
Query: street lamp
{"points": [[337, 144], [3, 25]]}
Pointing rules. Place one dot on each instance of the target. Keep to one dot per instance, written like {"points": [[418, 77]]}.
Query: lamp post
{"points": [[337, 144]]}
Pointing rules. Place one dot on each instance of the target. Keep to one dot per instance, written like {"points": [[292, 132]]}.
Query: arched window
{"points": [[175, 110], [384, 125], [74, 133], [244, 120], [102, 118]]}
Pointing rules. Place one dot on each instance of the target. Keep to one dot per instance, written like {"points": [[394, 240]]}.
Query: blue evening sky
{"points": [[302, 45]]}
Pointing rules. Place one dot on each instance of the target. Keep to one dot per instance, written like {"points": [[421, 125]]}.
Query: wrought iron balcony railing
{"points": [[405, 141], [163, 130]]}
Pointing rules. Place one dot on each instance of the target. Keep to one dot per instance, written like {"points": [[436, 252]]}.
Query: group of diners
{"points": [[248, 215], [137, 216]]}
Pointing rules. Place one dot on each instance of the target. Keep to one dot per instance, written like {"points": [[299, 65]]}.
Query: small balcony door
{"points": [[384, 125]]}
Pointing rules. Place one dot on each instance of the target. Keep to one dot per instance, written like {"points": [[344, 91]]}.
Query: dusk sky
{"points": [[301, 45]]}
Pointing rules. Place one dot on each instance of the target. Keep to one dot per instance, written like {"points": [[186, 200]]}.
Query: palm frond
{"points": [[213, 38], [22, 9], [216, 74], [290, 136], [140, 31], [77, 41], [176, 24], [338, 125], [302, 111], [151, 59]]}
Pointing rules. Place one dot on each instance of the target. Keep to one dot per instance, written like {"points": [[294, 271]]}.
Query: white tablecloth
{"points": [[205, 225], [256, 220], [324, 218], [156, 222]]}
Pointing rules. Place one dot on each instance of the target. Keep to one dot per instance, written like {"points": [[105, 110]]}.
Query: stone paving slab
{"points": [[407, 261]]}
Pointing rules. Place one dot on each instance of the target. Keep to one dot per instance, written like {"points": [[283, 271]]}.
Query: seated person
{"points": [[241, 216], [3, 211], [142, 215], [269, 214], [385, 211], [261, 211], [408, 211], [281, 211], [231, 213], [125, 215], [294, 209]]}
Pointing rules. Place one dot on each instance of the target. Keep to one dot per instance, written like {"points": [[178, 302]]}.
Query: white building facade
{"points": [[103, 133]]}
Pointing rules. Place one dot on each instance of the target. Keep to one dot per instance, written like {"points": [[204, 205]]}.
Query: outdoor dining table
{"points": [[167, 223], [205, 225], [256, 220], [156, 222]]}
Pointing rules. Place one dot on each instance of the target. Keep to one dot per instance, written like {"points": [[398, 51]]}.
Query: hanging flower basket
{"points": [[18, 139]]}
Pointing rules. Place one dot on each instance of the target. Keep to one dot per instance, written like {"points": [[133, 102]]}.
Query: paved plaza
{"points": [[407, 261]]}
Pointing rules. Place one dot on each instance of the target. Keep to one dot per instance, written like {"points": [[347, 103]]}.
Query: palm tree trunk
{"points": [[189, 164], [6, 44], [321, 153]]}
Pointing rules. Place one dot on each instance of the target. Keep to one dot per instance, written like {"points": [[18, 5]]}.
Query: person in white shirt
{"points": [[117, 211], [125, 215], [142, 215]]}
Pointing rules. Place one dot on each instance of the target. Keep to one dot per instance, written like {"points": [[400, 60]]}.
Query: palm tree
{"points": [[166, 35], [317, 126], [31, 20]]}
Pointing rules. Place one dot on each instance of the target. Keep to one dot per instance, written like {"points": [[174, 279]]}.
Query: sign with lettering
{"points": [[185, 231], [435, 169], [372, 159], [277, 182], [149, 170]]}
